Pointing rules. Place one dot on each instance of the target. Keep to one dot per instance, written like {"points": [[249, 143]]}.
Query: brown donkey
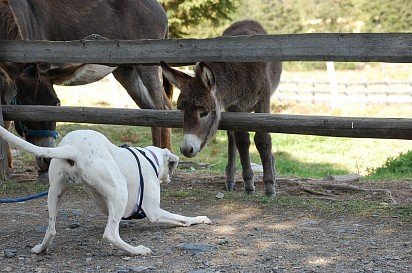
{"points": [[234, 87], [73, 20]]}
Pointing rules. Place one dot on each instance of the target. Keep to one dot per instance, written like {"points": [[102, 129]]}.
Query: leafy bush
{"points": [[400, 166]]}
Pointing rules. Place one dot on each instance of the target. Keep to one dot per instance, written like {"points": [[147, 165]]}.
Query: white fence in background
{"points": [[335, 91], [354, 92]]}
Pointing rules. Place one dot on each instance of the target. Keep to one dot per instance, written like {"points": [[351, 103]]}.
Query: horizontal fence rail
{"points": [[382, 92], [385, 128], [343, 47]]}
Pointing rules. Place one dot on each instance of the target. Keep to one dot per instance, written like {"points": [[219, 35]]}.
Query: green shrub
{"points": [[400, 166]]}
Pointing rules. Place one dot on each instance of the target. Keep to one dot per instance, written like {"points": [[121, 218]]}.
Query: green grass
{"points": [[314, 206], [10, 188], [296, 155]]}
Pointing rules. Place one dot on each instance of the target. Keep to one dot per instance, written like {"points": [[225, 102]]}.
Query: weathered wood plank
{"points": [[348, 47], [4, 146], [385, 128]]}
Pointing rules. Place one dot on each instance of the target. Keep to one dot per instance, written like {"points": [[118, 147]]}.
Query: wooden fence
{"points": [[389, 47], [382, 92], [353, 47]]}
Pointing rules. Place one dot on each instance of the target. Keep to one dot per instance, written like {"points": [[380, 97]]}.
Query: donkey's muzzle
{"points": [[43, 162], [190, 146], [188, 151]]}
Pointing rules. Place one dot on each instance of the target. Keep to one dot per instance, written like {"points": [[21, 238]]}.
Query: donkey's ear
{"points": [[206, 74], [175, 76], [8, 89], [10, 70]]}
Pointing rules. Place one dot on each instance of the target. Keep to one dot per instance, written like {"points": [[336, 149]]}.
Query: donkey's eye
{"points": [[204, 114]]}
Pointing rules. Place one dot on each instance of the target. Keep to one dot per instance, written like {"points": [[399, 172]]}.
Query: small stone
{"points": [[197, 247], [201, 271], [140, 268], [220, 195], [308, 223], [122, 269], [10, 253], [64, 216], [74, 225], [341, 230], [41, 229], [39, 258], [223, 241]]}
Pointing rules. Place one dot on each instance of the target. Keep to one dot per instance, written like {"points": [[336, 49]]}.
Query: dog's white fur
{"points": [[111, 178]]}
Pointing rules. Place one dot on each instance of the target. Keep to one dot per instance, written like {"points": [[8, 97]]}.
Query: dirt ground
{"points": [[248, 234]]}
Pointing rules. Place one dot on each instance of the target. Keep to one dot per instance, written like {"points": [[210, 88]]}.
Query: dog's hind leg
{"points": [[56, 190], [161, 216]]}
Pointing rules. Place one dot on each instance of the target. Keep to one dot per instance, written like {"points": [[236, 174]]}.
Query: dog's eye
{"points": [[204, 114]]}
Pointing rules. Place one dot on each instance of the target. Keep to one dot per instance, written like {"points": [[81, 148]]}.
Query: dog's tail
{"points": [[64, 152]]}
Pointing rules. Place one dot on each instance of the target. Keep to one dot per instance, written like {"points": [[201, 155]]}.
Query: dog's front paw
{"points": [[203, 220], [38, 249], [141, 250]]}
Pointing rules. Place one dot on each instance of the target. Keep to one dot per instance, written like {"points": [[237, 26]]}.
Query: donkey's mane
{"points": [[8, 24]]}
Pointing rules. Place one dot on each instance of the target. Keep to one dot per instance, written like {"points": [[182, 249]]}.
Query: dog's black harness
{"points": [[138, 212]]}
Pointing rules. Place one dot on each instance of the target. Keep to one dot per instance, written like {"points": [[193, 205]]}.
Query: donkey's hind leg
{"points": [[243, 144], [145, 87], [263, 142]]}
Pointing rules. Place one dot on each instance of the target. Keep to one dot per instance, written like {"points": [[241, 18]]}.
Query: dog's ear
{"points": [[172, 161]]}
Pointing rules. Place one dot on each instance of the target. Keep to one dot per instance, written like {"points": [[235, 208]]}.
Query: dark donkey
{"points": [[234, 87], [77, 19]]}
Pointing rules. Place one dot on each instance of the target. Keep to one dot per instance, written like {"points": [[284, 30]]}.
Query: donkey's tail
{"points": [[64, 152]]}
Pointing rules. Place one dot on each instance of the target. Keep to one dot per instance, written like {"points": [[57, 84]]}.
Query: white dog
{"points": [[110, 175]]}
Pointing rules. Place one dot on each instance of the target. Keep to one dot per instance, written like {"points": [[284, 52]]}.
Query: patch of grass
{"points": [[292, 203], [317, 206], [296, 155], [399, 167], [9, 188]]}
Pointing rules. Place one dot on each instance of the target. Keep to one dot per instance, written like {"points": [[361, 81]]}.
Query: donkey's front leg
{"points": [[243, 144], [263, 142], [231, 162]]}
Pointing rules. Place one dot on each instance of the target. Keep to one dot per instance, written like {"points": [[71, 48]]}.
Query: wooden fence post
{"points": [[4, 146]]}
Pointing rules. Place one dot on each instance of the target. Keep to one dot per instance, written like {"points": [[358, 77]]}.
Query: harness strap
{"points": [[138, 213], [150, 161], [154, 156]]}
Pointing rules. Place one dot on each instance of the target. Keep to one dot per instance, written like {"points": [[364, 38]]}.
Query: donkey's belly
{"points": [[85, 74]]}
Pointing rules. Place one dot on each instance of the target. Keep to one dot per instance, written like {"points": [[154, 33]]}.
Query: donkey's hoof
{"points": [[230, 186], [271, 193], [250, 192]]}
